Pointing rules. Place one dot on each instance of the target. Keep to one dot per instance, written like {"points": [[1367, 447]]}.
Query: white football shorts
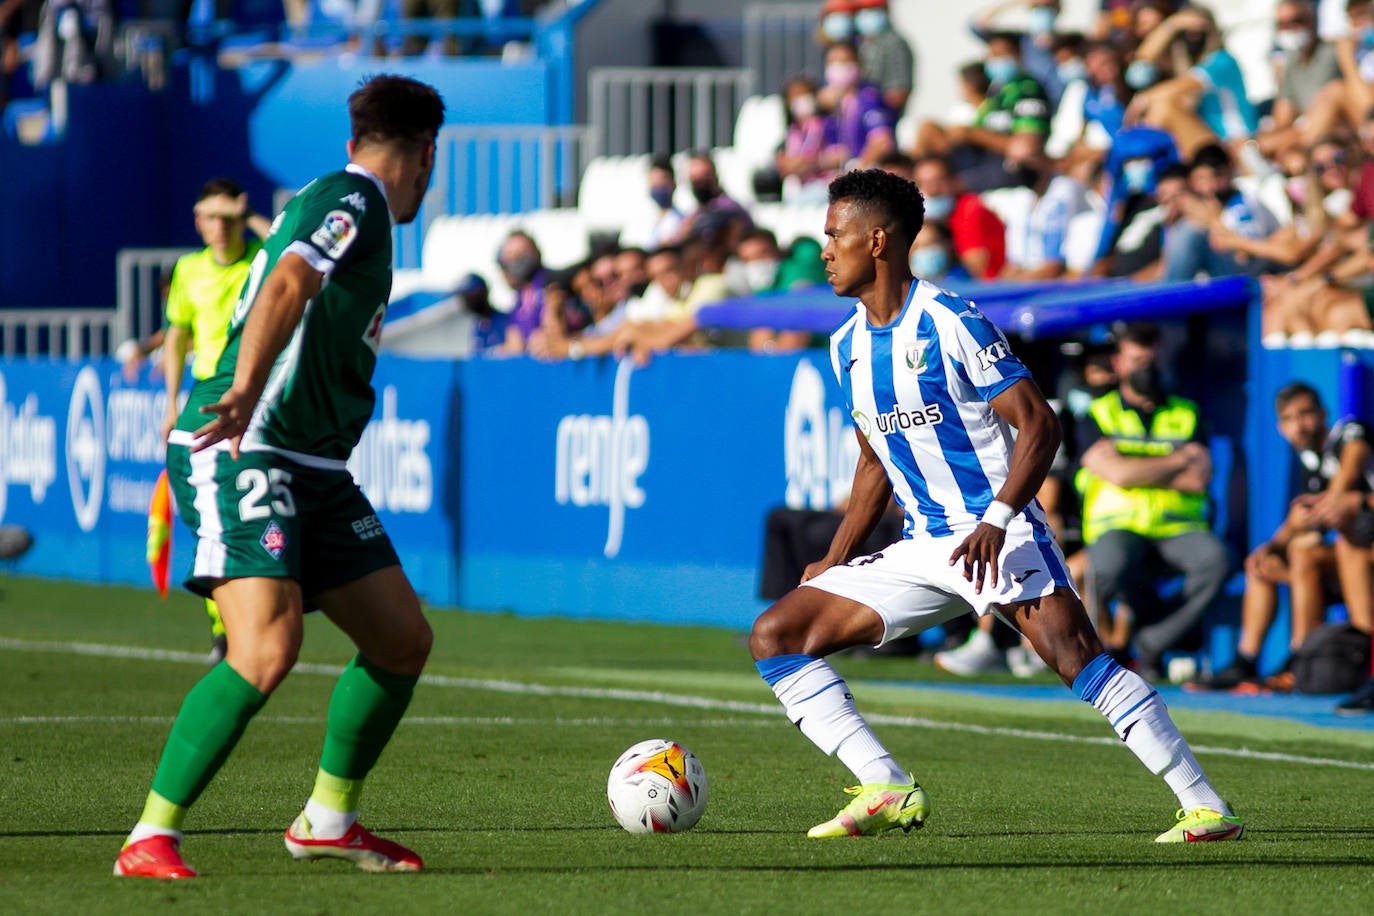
{"points": [[913, 587]]}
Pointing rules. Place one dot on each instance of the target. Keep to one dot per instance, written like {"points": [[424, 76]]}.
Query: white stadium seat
{"points": [[760, 128]]}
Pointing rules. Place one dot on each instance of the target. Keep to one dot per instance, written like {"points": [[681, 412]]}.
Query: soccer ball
{"points": [[657, 786]]}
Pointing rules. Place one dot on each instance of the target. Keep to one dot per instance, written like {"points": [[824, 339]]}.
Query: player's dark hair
{"points": [[396, 110], [1292, 391], [217, 186], [1140, 333], [895, 201]]}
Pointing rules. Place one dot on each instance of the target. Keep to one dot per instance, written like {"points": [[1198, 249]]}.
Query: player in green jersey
{"points": [[281, 527]]}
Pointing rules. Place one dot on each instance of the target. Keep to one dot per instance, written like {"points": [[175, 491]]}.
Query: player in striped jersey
{"points": [[950, 423]]}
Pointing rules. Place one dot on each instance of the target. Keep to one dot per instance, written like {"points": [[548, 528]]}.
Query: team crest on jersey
{"points": [[861, 420], [355, 200], [274, 540], [335, 234], [916, 356]]}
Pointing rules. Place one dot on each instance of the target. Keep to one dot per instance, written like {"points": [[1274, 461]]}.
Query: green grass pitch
{"points": [[497, 778]]}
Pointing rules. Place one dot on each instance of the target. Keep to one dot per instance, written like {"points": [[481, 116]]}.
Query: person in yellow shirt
{"points": [[200, 301]]}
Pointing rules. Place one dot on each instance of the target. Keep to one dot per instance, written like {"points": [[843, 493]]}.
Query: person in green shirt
{"points": [[200, 298], [257, 463]]}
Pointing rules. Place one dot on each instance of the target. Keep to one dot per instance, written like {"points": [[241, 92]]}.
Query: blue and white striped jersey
{"points": [[918, 390]]}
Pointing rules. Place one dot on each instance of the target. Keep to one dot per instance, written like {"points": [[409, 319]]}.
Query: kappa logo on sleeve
{"points": [[993, 353], [335, 234]]}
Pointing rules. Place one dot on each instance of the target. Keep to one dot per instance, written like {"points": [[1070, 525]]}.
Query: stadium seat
{"points": [[760, 128], [736, 172], [560, 234], [1082, 237]]}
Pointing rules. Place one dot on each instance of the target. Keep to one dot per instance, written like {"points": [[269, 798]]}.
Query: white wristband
{"points": [[576, 350], [126, 351], [998, 515]]}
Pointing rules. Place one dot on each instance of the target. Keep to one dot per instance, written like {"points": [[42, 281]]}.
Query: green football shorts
{"points": [[266, 515]]}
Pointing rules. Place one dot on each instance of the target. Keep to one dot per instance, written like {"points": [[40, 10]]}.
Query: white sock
{"points": [[326, 823], [142, 831], [1141, 719], [817, 701]]}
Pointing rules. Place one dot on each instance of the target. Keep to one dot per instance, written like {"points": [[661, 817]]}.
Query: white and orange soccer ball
{"points": [[657, 786]]}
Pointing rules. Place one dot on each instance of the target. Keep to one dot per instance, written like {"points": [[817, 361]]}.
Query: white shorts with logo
{"points": [[913, 587]]}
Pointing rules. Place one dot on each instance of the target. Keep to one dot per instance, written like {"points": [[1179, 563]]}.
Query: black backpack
{"points": [[1332, 659]]}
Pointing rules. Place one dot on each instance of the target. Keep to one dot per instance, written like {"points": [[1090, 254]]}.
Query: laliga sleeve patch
{"points": [[335, 233]]}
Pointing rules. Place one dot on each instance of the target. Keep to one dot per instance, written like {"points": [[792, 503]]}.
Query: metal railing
{"points": [[140, 278], [637, 110], [498, 169], [72, 334], [779, 42]]}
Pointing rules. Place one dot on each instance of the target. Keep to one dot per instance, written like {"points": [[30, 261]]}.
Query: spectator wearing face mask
{"points": [[1009, 127], [1093, 109], [663, 224], [1214, 203], [1037, 41], [978, 236], [860, 125], [933, 256], [798, 161], [1144, 475], [885, 58], [1207, 101], [759, 267], [1303, 64], [1349, 100], [1038, 223], [1132, 232], [1133, 245], [523, 268], [718, 219]]}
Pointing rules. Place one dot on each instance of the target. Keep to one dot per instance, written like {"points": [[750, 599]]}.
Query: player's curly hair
{"points": [[395, 109], [895, 201]]}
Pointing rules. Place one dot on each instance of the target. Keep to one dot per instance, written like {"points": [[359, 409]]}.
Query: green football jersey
{"points": [[319, 393]]}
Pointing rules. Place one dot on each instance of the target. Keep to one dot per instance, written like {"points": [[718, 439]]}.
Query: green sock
{"points": [[365, 709], [212, 718]]}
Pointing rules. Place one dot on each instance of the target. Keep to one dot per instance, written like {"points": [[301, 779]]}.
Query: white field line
{"points": [[654, 696]]}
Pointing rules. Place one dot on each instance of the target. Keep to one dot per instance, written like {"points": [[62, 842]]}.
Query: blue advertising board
{"points": [[585, 489], [600, 489], [80, 451]]}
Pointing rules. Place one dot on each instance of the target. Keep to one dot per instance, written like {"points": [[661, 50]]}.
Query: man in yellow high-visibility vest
{"points": [[1144, 478]]}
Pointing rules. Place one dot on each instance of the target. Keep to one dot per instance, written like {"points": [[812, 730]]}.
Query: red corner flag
{"points": [[160, 533]]}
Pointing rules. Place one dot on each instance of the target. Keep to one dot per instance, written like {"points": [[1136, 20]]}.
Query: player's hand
{"points": [[232, 413], [979, 552], [169, 422], [1264, 564], [815, 569]]}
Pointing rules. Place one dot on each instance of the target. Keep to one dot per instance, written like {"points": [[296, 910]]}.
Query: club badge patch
{"points": [[916, 356], [274, 540], [335, 234]]}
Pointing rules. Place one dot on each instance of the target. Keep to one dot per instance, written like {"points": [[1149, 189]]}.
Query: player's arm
{"points": [[868, 500], [1038, 434], [176, 342], [276, 312], [1037, 439]]}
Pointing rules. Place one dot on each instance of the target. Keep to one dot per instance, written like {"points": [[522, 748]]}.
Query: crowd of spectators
{"points": [[1132, 151]]}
